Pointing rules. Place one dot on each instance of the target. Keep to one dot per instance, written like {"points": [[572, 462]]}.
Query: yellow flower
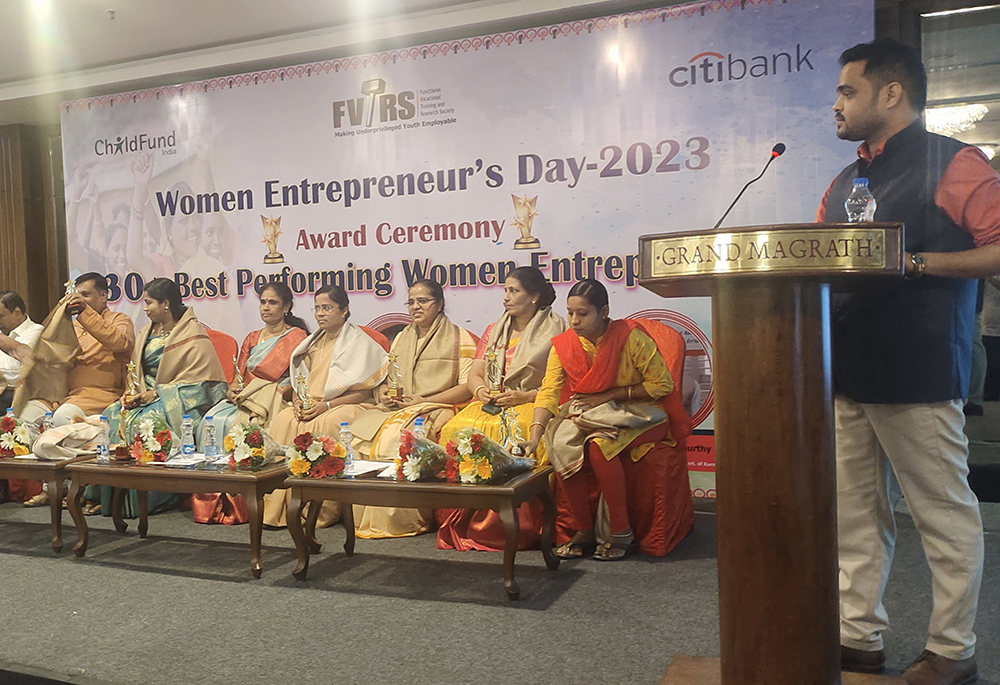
{"points": [[257, 452], [467, 466], [228, 444], [299, 467], [485, 470], [146, 457], [20, 449]]}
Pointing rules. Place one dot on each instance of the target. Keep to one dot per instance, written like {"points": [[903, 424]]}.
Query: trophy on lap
{"points": [[494, 381], [238, 376], [395, 390], [510, 433], [303, 392]]}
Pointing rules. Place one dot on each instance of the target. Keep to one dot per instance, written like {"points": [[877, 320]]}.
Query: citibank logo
{"points": [[167, 144], [377, 105], [713, 67]]}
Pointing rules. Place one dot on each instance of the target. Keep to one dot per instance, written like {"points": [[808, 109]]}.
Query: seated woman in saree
{"points": [[520, 341], [335, 369], [429, 361], [261, 391], [180, 374], [600, 399]]}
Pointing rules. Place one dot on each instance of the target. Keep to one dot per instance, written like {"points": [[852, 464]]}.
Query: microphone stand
{"points": [[774, 156]]}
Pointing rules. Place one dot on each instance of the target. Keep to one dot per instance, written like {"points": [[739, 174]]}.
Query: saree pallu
{"points": [[524, 358], [353, 362], [264, 366], [429, 364]]}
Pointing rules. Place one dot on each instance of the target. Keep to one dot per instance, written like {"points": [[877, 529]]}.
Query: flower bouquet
{"points": [[250, 447], [15, 437], [475, 458], [420, 459], [317, 456], [152, 440]]}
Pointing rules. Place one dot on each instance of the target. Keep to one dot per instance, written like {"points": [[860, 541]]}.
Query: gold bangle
{"points": [[536, 423], [629, 390], [475, 393]]}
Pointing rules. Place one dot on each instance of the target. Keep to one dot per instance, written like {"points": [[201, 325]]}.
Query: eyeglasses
{"points": [[325, 308], [422, 301]]}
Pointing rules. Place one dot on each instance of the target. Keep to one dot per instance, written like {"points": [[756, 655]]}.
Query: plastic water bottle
{"points": [[187, 435], [10, 412], [48, 422], [418, 428], [103, 451], [347, 441], [860, 204], [210, 446]]}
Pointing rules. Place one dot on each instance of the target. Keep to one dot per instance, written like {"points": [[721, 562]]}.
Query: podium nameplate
{"points": [[684, 263]]}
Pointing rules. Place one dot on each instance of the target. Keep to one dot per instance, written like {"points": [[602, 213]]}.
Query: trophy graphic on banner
{"points": [[272, 231], [494, 381], [303, 392], [395, 390], [510, 433], [524, 215], [238, 376], [70, 289]]}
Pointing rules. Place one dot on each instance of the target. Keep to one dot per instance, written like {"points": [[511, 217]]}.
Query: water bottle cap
{"points": [[209, 418], [419, 421], [48, 413], [104, 419], [186, 416], [344, 424], [861, 181]]}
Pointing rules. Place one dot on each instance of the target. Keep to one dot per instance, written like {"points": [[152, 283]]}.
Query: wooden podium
{"points": [[775, 470]]}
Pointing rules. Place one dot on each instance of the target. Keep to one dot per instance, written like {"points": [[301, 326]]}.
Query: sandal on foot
{"points": [[92, 509], [577, 548], [616, 548], [39, 500]]}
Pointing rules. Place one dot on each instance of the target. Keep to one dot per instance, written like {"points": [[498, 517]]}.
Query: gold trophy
{"points": [[272, 231], [510, 433], [70, 289], [303, 392], [524, 215], [132, 387], [494, 381], [395, 390], [238, 376]]}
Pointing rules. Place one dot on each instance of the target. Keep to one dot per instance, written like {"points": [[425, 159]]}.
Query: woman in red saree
{"points": [[600, 401]]}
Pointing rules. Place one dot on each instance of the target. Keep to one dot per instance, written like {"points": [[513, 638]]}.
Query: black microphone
{"points": [[776, 152]]}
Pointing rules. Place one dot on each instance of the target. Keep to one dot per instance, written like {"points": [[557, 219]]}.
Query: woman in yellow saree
{"points": [[340, 365], [520, 339], [431, 359]]}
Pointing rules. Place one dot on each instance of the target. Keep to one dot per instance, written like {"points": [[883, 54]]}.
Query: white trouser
{"points": [[925, 447], [34, 412]]}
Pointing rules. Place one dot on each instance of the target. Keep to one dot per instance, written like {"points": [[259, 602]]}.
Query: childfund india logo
{"points": [[166, 144], [713, 67]]}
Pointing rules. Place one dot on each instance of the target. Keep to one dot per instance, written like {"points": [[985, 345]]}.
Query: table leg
{"points": [[347, 516], [76, 511], [310, 530], [117, 504], [255, 510], [548, 525], [143, 498], [302, 547], [508, 514], [55, 509]]}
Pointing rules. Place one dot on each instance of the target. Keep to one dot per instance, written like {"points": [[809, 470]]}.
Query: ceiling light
{"points": [[950, 120], [963, 10]]}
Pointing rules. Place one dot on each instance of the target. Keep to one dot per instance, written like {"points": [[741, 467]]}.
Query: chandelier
{"points": [[950, 120]]}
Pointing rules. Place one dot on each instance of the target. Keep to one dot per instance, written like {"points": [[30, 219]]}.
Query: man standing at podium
{"points": [[901, 358]]}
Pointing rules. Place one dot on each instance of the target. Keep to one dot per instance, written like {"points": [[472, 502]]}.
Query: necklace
{"points": [[267, 335]]}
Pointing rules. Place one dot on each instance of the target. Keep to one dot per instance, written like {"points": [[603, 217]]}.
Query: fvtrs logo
{"points": [[713, 67], [390, 106]]}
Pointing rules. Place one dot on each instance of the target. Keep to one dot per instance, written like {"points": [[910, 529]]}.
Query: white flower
{"points": [[22, 434], [291, 452], [411, 470], [241, 452], [7, 441], [464, 444], [315, 451], [238, 433], [147, 429], [467, 477]]}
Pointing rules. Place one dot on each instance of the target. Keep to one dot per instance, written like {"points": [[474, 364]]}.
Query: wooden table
{"points": [[53, 473], [504, 498], [126, 475]]}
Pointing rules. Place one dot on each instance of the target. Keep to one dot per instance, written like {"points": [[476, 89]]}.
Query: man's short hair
{"points": [[887, 60], [100, 282], [12, 301]]}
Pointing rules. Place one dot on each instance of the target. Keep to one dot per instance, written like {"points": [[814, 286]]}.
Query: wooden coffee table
{"points": [[53, 473], [504, 498], [126, 475]]}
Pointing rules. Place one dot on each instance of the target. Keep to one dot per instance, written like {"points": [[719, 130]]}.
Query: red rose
{"points": [[451, 470], [4, 452], [477, 441], [408, 441], [163, 437], [255, 439], [7, 424], [232, 463], [245, 462], [159, 456], [451, 448], [303, 441]]}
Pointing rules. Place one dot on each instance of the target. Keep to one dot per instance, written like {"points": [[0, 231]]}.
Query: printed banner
{"points": [[555, 146]]}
